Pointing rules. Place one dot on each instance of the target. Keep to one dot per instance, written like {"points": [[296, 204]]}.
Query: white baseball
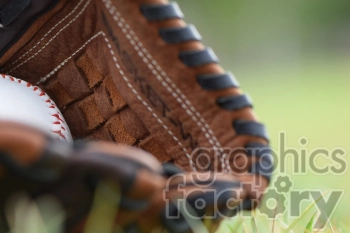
{"points": [[22, 102]]}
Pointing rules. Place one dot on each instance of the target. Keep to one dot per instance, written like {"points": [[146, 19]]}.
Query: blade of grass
{"points": [[52, 213], [330, 226], [284, 226], [331, 229], [23, 215], [295, 222], [245, 229], [310, 225], [104, 208], [255, 223], [234, 227], [196, 225], [274, 219]]}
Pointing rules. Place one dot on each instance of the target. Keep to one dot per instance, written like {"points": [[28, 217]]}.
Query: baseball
{"points": [[24, 103]]}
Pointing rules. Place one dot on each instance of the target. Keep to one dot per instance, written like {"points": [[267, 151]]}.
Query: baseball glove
{"points": [[133, 72], [136, 188]]}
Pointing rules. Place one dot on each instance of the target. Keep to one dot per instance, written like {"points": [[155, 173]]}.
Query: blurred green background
{"points": [[293, 59]]}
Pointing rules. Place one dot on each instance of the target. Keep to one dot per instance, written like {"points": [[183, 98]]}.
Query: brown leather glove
{"points": [[192, 202], [151, 196], [32, 162], [133, 72]]}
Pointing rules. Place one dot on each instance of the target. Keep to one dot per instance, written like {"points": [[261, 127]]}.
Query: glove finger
{"points": [[32, 162], [253, 166], [191, 199], [137, 172], [195, 199]]}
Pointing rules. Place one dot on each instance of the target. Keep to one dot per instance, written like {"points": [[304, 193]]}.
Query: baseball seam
{"points": [[57, 125]]}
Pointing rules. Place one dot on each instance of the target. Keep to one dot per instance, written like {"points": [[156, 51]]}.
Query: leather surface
{"points": [[18, 25], [73, 175], [127, 184], [114, 78], [12, 10]]}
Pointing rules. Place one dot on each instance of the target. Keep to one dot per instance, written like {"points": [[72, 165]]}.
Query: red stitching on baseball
{"points": [[58, 117], [59, 121], [59, 133]]}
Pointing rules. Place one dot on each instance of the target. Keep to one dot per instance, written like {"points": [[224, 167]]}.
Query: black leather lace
{"points": [[213, 82], [12, 10]]}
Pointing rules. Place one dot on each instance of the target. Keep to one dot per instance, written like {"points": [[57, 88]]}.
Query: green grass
{"points": [[45, 216]]}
